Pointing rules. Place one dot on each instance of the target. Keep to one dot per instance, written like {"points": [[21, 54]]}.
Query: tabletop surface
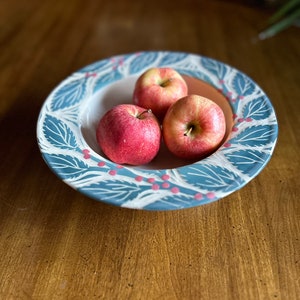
{"points": [[56, 243]]}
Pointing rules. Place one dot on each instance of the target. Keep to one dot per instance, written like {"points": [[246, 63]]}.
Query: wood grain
{"points": [[57, 244]]}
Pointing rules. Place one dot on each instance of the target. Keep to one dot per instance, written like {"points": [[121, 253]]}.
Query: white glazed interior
{"points": [[121, 92]]}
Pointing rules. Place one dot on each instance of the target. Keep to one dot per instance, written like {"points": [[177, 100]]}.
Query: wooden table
{"points": [[56, 243]]}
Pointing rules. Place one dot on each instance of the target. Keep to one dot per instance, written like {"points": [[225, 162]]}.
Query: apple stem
{"points": [[166, 82], [188, 131], [149, 111]]}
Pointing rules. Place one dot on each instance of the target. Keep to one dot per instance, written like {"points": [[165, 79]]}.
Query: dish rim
{"points": [[254, 171]]}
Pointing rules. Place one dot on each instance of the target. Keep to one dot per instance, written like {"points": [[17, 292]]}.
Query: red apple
{"points": [[158, 88], [193, 127], [129, 134]]}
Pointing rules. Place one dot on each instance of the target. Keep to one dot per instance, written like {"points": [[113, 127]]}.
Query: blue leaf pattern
{"points": [[215, 67], [254, 136], [67, 166], [106, 79], [172, 58], [196, 74], [98, 66], [257, 109], [211, 177], [142, 61], [171, 202], [69, 94], [58, 133], [248, 161], [243, 85], [113, 190]]}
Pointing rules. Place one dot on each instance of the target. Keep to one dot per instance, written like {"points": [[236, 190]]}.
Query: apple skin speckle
{"points": [[158, 89], [193, 127], [129, 134]]}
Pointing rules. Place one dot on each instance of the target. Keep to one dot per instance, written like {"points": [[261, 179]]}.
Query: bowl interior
{"points": [[121, 92]]}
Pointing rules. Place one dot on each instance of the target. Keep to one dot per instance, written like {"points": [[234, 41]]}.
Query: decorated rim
{"points": [[70, 156]]}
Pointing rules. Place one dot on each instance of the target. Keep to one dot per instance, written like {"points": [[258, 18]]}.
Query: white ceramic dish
{"points": [[68, 119]]}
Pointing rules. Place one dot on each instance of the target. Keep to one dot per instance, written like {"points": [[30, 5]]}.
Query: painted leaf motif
{"points": [[117, 191], [196, 74], [254, 136], [142, 61], [216, 68], [171, 202], [58, 133], [212, 177], [243, 85], [247, 161], [170, 58], [257, 109], [107, 78], [66, 166], [69, 94], [96, 67]]}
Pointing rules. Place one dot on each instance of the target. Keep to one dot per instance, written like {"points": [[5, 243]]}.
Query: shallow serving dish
{"points": [[68, 119]]}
